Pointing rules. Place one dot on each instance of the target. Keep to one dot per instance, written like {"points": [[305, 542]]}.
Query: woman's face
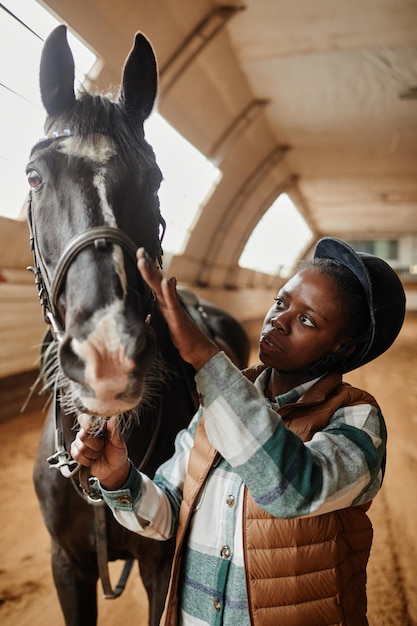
{"points": [[304, 324]]}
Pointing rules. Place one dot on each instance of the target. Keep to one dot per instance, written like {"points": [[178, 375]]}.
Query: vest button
{"points": [[225, 552], [217, 604], [124, 500], [230, 500]]}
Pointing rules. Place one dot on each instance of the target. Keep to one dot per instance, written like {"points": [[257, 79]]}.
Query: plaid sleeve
{"points": [[339, 467], [151, 507]]}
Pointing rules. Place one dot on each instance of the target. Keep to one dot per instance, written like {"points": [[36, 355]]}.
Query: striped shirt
{"points": [[339, 467]]}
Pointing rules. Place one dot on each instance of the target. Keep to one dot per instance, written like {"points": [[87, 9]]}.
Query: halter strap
{"points": [[56, 134]]}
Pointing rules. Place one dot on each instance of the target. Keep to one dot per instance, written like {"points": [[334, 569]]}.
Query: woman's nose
{"points": [[281, 322]]}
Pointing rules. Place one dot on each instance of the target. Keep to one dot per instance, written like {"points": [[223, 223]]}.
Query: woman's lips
{"points": [[268, 346]]}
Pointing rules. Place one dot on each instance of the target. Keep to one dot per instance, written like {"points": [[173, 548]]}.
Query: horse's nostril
{"points": [[71, 364]]}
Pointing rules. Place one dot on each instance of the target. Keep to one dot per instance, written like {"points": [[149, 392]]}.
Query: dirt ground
{"points": [[27, 595]]}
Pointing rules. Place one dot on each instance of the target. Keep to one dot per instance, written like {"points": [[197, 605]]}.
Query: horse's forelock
{"points": [[100, 114]]}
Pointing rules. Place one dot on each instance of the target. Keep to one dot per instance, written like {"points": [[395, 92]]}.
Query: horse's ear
{"points": [[140, 79], [56, 77]]}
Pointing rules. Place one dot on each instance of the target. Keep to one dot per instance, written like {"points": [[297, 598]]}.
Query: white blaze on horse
{"points": [[93, 201]]}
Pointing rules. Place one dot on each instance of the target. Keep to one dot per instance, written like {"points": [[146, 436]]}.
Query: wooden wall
{"points": [[21, 322], [21, 328]]}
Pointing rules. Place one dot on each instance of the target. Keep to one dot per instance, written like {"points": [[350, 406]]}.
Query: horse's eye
{"points": [[34, 179]]}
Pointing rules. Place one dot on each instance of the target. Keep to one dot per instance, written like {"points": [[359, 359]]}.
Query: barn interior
{"points": [[314, 101]]}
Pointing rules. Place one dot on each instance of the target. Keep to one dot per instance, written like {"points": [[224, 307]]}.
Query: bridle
{"points": [[49, 290], [98, 236]]}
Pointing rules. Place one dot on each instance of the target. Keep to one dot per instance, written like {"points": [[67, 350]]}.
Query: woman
{"points": [[268, 488]]}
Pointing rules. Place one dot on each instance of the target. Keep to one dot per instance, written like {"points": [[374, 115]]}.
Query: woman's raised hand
{"points": [[193, 345]]}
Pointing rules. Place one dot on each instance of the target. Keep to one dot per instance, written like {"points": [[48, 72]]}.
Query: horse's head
{"points": [[94, 183]]}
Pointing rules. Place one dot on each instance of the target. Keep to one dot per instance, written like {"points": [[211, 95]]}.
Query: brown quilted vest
{"points": [[300, 572]]}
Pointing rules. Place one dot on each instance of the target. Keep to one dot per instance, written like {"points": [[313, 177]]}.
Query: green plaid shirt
{"points": [[340, 466]]}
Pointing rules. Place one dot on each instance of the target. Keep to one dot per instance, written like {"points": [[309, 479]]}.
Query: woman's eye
{"points": [[279, 302], [307, 321], [34, 179]]}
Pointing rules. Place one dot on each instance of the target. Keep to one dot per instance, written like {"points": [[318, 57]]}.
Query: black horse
{"points": [[93, 202]]}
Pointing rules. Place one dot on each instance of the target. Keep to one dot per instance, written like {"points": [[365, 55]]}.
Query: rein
{"points": [[48, 292]]}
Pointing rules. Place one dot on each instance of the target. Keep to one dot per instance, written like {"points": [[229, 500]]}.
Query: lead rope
{"points": [[92, 494], [62, 461], [102, 556], [91, 490], [90, 486]]}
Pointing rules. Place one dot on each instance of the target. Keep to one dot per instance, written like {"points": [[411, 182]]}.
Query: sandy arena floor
{"points": [[27, 594]]}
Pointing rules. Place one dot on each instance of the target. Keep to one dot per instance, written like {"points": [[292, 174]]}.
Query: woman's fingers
{"points": [[165, 292], [86, 449], [90, 440], [150, 272]]}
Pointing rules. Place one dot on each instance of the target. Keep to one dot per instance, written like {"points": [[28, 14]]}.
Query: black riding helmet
{"points": [[386, 301]]}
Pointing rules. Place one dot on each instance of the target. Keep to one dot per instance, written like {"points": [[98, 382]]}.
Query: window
{"points": [[278, 239], [189, 177], [384, 248], [24, 24]]}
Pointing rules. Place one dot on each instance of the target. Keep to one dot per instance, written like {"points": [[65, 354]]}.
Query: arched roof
{"points": [[316, 99]]}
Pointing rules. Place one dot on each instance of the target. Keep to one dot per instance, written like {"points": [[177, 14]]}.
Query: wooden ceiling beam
{"points": [[192, 46], [241, 122]]}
